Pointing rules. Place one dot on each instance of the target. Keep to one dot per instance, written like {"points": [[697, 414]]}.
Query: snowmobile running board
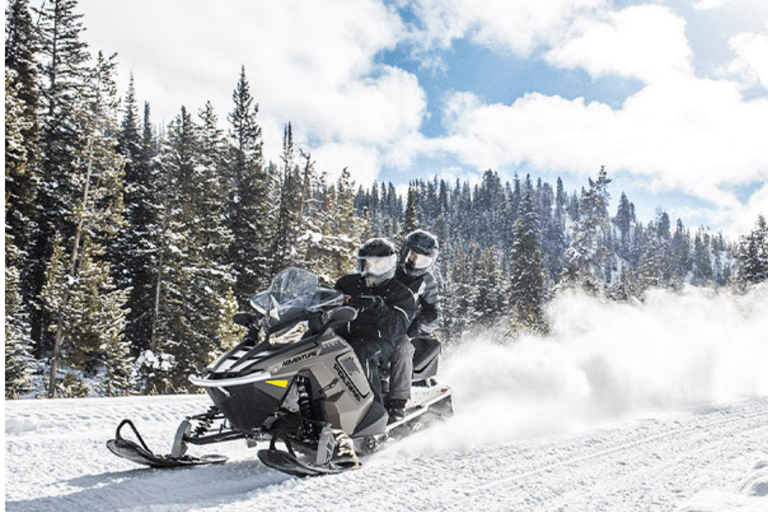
{"points": [[141, 454]]}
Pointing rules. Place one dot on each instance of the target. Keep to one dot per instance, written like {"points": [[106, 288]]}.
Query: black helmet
{"points": [[418, 253], [377, 260]]}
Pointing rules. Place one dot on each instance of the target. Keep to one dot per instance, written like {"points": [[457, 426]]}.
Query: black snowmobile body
{"points": [[293, 380]]}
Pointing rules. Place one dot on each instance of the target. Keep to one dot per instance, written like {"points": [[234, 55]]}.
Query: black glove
{"points": [[413, 329], [372, 303]]}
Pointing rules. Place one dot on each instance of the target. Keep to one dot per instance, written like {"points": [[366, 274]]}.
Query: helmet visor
{"points": [[418, 261], [376, 265]]}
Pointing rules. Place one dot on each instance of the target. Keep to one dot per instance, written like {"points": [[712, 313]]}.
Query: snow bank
{"points": [[605, 361]]}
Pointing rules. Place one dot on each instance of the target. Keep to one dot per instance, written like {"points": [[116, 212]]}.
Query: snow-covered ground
{"points": [[662, 406]]}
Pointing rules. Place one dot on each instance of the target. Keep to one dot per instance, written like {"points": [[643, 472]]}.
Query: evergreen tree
{"points": [[625, 288], [458, 298], [18, 359], [681, 254], [190, 277], [248, 212], [753, 254], [624, 220], [131, 254], [527, 291], [588, 254], [21, 125], [79, 293], [289, 200], [411, 222], [702, 260], [64, 58], [331, 251], [489, 298]]}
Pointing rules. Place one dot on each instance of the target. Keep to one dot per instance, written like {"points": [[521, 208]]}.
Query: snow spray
{"points": [[604, 361]]}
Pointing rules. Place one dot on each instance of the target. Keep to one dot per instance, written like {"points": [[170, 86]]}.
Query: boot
{"points": [[396, 410]]}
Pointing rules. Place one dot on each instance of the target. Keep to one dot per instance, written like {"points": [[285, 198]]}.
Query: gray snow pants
{"points": [[401, 369]]}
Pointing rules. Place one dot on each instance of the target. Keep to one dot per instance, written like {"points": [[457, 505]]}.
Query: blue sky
{"points": [[670, 95]]}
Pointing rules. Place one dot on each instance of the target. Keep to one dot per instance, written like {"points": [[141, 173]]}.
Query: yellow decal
{"points": [[279, 383]]}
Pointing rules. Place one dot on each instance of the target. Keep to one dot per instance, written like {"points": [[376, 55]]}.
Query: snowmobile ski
{"points": [[335, 453], [141, 454], [288, 463]]}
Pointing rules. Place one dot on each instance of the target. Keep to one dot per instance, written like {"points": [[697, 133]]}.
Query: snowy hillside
{"points": [[662, 406]]}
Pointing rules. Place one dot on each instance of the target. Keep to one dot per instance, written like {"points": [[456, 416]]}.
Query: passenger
{"points": [[417, 256]]}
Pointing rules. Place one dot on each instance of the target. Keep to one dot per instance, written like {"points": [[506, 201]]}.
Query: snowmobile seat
{"points": [[425, 357]]}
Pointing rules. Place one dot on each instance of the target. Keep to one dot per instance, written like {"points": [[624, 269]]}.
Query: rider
{"points": [[385, 308], [417, 256]]}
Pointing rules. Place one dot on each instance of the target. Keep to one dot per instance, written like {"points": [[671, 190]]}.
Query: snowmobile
{"points": [[294, 383]]}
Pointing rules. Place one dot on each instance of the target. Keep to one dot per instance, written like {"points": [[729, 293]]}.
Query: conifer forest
{"points": [[129, 247]]}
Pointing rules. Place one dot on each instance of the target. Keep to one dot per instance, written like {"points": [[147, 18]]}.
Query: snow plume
{"points": [[605, 361]]}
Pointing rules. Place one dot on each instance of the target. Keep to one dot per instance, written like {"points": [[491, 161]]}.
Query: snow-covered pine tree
{"points": [[681, 254], [655, 267], [489, 298], [21, 124], [79, 294], [164, 364], [703, 274], [248, 211], [191, 277], [18, 357], [331, 251], [555, 240], [527, 286], [310, 209], [289, 196], [458, 298], [411, 221], [131, 254], [95, 325], [753, 254], [588, 254], [624, 221], [17, 342], [63, 69]]}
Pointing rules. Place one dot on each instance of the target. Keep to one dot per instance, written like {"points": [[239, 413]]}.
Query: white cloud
{"points": [[642, 42], [711, 4], [310, 63], [363, 162], [751, 62], [517, 26], [692, 135]]}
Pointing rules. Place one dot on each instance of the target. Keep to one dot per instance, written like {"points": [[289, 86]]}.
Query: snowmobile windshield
{"points": [[293, 295]]}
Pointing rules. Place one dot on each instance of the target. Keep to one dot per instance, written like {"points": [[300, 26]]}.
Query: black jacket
{"points": [[388, 322]]}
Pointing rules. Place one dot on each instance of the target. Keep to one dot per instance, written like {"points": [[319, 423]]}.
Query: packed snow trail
{"points": [[716, 454]]}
